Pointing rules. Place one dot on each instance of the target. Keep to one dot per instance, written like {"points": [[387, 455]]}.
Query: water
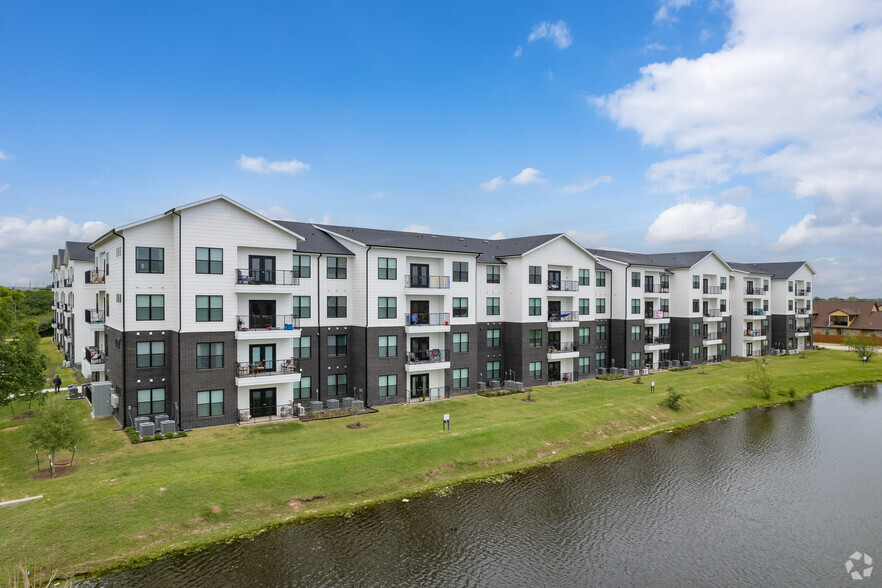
{"points": [[773, 496]]}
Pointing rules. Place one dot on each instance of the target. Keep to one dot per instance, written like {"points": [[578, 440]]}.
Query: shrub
{"points": [[182, 433], [791, 392], [672, 400], [157, 437], [638, 380], [169, 435], [133, 434]]}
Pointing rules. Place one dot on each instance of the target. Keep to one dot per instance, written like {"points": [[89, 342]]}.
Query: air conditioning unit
{"points": [[147, 429], [645, 371], [167, 426], [301, 410], [636, 372]]}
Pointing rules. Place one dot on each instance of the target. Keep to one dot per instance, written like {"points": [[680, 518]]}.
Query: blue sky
{"points": [[750, 128]]}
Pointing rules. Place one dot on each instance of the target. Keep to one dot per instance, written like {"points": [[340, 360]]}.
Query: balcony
{"points": [[802, 332], [754, 312], [565, 350], [430, 282], [426, 394], [254, 281], [427, 359], [95, 277], [712, 336], [803, 312], [563, 286], [564, 316], [660, 342], [267, 326], [714, 290], [252, 373], [801, 293], [427, 322], [94, 316], [754, 291], [657, 288], [563, 378], [656, 316], [755, 333]]}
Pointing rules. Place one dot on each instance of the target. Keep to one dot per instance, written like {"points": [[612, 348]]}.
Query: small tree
{"points": [[55, 427], [863, 346], [22, 366], [672, 400], [760, 380]]}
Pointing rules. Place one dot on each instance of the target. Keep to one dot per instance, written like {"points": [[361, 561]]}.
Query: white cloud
{"points": [[325, 220], [4, 187], [496, 236], [697, 170], [4, 156], [276, 212], [260, 165], [558, 33], [808, 231], [699, 221], [492, 185], [378, 195], [587, 238], [518, 52], [527, 176], [415, 228], [576, 188], [704, 36], [26, 247], [653, 47], [736, 194], [669, 8]]}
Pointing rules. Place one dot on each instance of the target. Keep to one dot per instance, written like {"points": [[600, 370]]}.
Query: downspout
{"points": [[123, 345], [480, 371], [625, 338], [367, 299], [318, 337], [180, 314]]}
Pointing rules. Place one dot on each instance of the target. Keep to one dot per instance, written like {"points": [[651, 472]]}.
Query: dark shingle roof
{"points": [[486, 250], [866, 315], [677, 259], [79, 251], [778, 270], [316, 241]]}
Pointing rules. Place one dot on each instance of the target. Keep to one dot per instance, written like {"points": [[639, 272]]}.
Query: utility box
{"points": [[101, 406], [333, 404], [347, 403], [157, 420], [147, 429], [315, 406], [167, 426], [358, 405]]}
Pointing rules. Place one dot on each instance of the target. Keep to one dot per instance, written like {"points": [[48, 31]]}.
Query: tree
{"points": [[22, 365], [760, 379], [55, 427], [863, 346]]}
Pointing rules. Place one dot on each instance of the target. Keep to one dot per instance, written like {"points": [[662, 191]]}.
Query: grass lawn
{"points": [[129, 503], [53, 365]]}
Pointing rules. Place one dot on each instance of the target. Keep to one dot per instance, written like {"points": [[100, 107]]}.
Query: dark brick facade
{"points": [[519, 354], [464, 360], [385, 366], [196, 380], [683, 340]]}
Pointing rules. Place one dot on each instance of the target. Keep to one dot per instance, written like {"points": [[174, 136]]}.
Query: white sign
{"points": [[446, 417]]}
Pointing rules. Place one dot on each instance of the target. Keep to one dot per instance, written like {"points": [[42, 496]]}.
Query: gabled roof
{"points": [[79, 251], [864, 315], [675, 260], [54, 262], [316, 240], [779, 270], [750, 268]]}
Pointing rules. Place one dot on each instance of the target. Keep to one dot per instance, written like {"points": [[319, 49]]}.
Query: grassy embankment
{"points": [[138, 502]]}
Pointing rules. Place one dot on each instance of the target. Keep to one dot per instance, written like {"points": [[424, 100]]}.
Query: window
{"points": [[600, 331], [665, 305], [635, 306], [635, 359], [301, 307], [724, 350], [600, 305], [387, 307], [765, 306], [461, 378], [722, 282], [600, 359], [790, 286], [336, 268], [695, 307], [151, 353], [336, 307], [584, 335], [808, 287], [791, 324], [535, 274], [336, 384], [460, 342], [696, 282], [209, 260], [535, 370], [789, 305], [387, 268], [492, 274], [388, 385], [302, 348], [601, 279], [696, 329], [724, 327], [149, 260], [723, 305], [492, 306], [209, 403], [766, 285], [209, 309], [460, 271], [388, 346], [635, 332], [535, 307], [696, 353], [635, 279], [209, 356], [337, 345], [460, 307], [494, 368], [665, 283], [301, 265], [149, 307], [151, 401], [584, 306], [584, 365], [535, 337], [302, 388], [584, 277], [493, 336]]}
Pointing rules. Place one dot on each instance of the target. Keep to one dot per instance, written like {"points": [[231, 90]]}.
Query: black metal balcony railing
{"points": [[656, 314], [755, 312], [247, 369], [430, 393], [711, 336], [563, 285], [800, 292], [712, 290], [267, 322], [565, 347], [93, 355], [428, 356], [755, 291], [713, 312], [94, 316], [755, 332], [563, 316], [802, 311], [657, 288], [68, 283], [258, 277], [94, 277], [563, 378], [660, 340], [801, 330], [438, 282], [66, 332], [427, 319]]}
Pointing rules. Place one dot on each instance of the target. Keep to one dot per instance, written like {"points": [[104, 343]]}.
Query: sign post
{"points": [[652, 387], [445, 426]]}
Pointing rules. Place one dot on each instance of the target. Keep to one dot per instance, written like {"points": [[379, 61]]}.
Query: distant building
{"points": [[847, 317]]}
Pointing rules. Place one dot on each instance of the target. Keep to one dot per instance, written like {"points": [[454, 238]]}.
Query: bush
{"points": [[133, 434], [157, 437], [169, 435], [182, 433], [672, 400]]}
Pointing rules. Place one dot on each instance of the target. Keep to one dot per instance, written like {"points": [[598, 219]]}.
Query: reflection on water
{"points": [[773, 496]]}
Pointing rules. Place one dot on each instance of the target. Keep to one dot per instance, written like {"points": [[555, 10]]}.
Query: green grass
{"points": [[139, 502]]}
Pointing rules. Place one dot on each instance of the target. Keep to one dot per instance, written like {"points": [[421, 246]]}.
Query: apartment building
{"points": [[72, 292], [212, 313]]}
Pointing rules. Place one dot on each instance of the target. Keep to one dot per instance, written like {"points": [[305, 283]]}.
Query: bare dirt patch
{"points": [[59, 473], [357, 426], [22, 415]]}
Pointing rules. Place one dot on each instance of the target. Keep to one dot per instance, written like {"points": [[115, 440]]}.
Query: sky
{"points": [[751, 127]]}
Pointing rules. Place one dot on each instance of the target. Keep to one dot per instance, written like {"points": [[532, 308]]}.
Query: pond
{"points": [[773, 496]]}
